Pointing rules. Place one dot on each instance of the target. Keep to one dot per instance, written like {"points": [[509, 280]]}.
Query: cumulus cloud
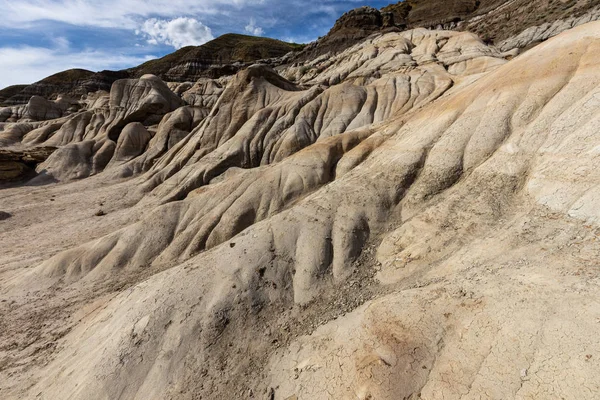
{"points": [[253, 29], [127, 14], [178, 32]]}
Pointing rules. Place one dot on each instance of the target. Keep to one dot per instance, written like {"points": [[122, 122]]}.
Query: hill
{"points": [[224, 55], [9, 92], [494, 20], [73, 83]]}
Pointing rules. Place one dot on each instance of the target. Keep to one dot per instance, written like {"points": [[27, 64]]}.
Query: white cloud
{"points": [[178, 32], [30, 64], [124, 14], [252, 29]]}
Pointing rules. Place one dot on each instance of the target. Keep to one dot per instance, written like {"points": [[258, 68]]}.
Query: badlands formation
{"points": [[415, 217]]}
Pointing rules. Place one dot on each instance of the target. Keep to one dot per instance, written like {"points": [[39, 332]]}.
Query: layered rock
{"points": [[17, 165], [40, 109], [510, 24], [223, 56], [131, 143], [71, 83], [349, 29], [539, 33], [9, 92]]}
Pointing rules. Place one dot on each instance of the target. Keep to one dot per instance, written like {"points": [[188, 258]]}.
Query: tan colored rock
{"points": [[173, 129], [132, 142], [17, 165], [131, 102], [139, 100], [39, 109], [204, 93]]}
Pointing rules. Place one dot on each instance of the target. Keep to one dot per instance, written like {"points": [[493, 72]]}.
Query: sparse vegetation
{"points": [[225, 49], [70, 75]]}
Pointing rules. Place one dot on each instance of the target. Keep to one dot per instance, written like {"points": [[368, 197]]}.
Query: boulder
{"points": [[132, 142]]}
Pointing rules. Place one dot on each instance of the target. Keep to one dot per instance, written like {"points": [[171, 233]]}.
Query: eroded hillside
{"points": [[413, 217]]}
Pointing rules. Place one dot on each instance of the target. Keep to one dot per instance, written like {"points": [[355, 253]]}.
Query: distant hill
{"points": [[215, 58], [72, 82], [224, 55], [9, 92]]}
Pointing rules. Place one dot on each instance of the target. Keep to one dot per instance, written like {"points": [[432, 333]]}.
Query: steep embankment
{"points": [[415, 217]]}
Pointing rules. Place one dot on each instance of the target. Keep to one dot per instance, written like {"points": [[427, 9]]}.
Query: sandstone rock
{"points": [[39, 109], [174, 128], [204, 93], [508, 23], [139, 100], [99, 125], [17, 165], [71, 162], [132, 142], [349, 29], [41, 134], [14, 133], [13, 171]]}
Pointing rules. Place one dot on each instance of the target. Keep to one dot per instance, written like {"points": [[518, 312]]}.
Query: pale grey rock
{"points": [[132, 142], [547, 30]]}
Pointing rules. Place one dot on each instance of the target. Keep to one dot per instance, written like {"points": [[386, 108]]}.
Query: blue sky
{"points": [[42, 37]]}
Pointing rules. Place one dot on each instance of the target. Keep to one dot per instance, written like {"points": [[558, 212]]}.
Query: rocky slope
{"points": [[414, 217], [509, 24], [493, 20], [9, 92]]}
